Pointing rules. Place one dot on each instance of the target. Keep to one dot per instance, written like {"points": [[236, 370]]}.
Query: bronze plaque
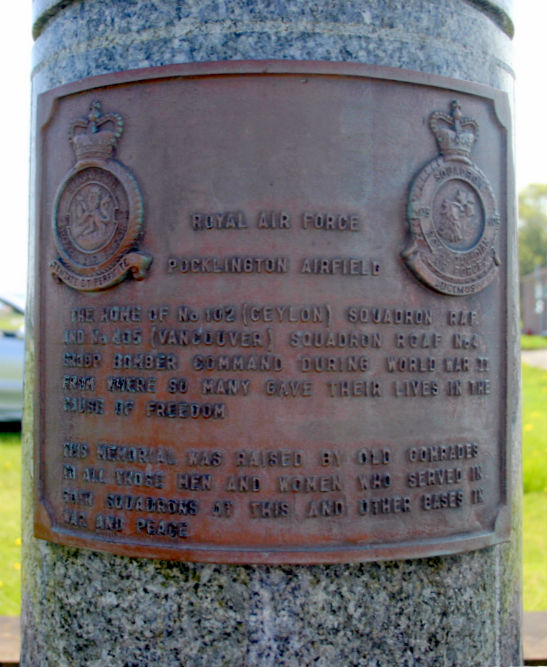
{"points": [[271, 314]]}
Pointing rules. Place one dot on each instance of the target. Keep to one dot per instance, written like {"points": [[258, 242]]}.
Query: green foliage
{"points": [[533, 342], [534, 429], [534, 548], [10, 523], [11, 322], [532, 228]]}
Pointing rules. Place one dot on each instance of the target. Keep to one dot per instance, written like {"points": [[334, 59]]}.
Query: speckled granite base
{"points": [[86, 609], [106, 611]]}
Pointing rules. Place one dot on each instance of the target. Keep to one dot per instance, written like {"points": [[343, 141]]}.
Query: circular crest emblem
{"points": [[97, 215], [452, 214]]}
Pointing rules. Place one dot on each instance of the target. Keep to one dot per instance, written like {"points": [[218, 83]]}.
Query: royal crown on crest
{"points": [[456, 134], [95, 137]]}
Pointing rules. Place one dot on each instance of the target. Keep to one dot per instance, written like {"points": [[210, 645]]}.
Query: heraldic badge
{"points": [[98, 211], [452, 213]]}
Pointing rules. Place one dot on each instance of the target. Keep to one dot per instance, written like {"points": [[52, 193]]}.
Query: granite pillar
{"points": [[85, 608]]}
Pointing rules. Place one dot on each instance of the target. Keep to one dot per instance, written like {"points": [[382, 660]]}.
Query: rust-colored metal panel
{"points": [[271, 314]]}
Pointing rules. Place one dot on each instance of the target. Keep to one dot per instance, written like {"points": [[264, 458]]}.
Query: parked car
{"points": [[12, 352]]}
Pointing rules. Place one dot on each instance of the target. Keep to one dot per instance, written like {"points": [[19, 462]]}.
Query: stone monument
{"points": [[273, 336]]}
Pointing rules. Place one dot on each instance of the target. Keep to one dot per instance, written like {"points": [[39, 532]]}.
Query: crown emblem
{"points": [[98, 211], [95, 137], [456, 134], [452, 212]]}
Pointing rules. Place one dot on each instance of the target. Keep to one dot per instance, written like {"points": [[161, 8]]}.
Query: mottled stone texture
{"points": [[105, 610], [96, 36], [82, 608]]}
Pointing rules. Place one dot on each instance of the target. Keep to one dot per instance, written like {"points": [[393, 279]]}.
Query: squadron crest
{"points": [[452, 212], [98, 212]]}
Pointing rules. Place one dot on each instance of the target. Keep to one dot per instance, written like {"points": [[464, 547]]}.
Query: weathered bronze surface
{"points": [[271, 314]]}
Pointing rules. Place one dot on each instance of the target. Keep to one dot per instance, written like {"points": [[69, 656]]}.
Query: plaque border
{"points": [[420, 548]]}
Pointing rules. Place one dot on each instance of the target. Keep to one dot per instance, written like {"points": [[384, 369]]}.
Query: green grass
{"points": [[533, 342], [534, 429], [10, 523], [534, 550], [534, 473]]}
